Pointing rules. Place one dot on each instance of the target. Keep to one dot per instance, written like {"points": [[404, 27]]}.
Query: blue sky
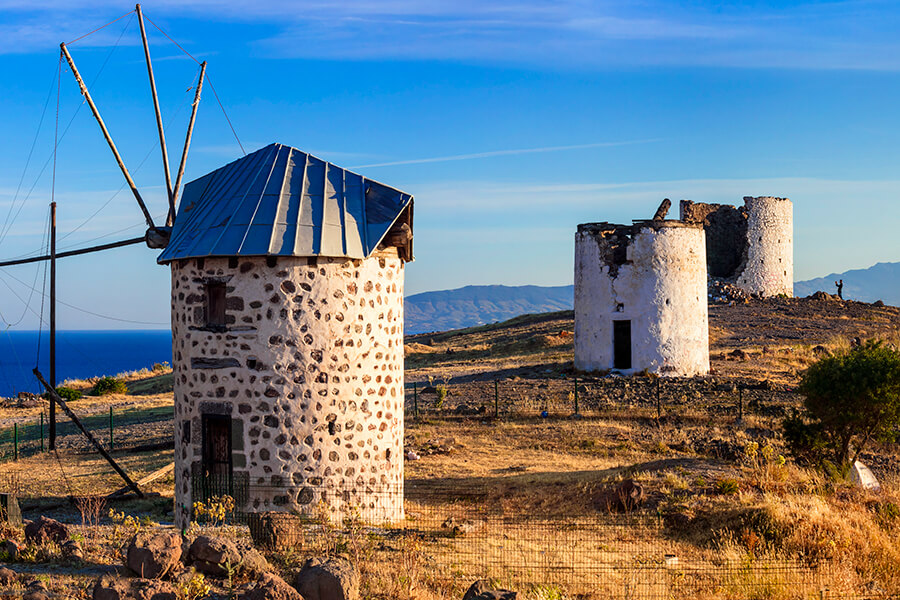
{"points": [[511, 122]]}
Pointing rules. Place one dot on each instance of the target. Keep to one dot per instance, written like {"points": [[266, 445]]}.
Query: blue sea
{"points": [[79, 354]]}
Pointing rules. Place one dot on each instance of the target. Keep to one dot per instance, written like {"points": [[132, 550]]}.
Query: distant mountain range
{"points": [[878, 282], [481, 304]]}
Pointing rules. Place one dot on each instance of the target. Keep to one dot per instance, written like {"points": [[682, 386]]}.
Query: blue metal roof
{"points": [[279, 201]]}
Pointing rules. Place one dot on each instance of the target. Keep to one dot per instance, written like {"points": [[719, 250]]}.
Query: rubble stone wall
{"points": [[654, 274], [309, 368]]}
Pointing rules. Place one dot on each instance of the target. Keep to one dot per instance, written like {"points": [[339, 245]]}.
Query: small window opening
{"points": [[232, 262], [271, 261], [215, 304], [620, 307], [621, 344]]}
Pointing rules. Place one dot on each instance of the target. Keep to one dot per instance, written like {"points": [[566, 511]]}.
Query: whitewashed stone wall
{"points": [[769, 269], [658, 281], [310, 369]]}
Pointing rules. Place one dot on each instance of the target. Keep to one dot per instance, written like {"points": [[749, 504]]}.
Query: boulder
{"points": [[276, 530], [72, 550], [114, 588], [330, 579], [44, 530], [624, 497], [154, 554], [461, 526], [8, 576], [268, 587], [36, 590], [12, 548], [215, 555], [484, 589]]}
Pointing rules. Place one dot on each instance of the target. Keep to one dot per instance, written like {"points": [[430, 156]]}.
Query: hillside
{"points": [[878, 282]]}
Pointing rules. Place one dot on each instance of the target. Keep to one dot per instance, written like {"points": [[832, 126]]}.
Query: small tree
{"points": [[851, 399]]}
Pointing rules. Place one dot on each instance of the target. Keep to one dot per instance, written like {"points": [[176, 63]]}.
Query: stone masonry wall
{"points": [[309, 367], [656, 278], [769, 269]]}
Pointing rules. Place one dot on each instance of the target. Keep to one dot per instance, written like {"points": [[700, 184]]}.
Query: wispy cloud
{"points": [[565, 34], [491, 154]]}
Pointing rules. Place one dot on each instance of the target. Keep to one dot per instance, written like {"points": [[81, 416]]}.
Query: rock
{"points": [[112, 588], [331, 579], [72, 550], [821, 350], [214, 556], [411, 455], [738, 354], [268, 587], [13, 549], [276, 530], [878, 303], [863, 477], [153, 554], [35, 595], [46, 529], [8, 576], [625, 497], [484, 589]]}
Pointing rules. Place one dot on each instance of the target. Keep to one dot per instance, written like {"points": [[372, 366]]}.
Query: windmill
{"points": [[156, 235]]}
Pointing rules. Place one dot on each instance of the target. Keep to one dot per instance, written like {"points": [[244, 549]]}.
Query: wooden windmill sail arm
{"points": [[159, 123], [109, 141], [54, 397], [187, 144]]}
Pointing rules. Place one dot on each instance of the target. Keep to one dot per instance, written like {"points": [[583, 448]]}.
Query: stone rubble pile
{"points": [[721, 291]]}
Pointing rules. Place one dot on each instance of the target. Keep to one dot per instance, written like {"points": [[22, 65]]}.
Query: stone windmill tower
{"points": [[287, 325], [640, 298]]}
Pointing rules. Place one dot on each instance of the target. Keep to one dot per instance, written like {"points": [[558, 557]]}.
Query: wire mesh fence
{"points": [[453, 535], [598, 396]]}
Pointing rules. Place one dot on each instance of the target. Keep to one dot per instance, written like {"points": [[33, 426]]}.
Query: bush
{"points": [[66, 393], [851, 399], [163, 366], [109, 385]]}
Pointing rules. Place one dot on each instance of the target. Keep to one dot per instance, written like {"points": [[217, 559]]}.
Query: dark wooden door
{"points": [[622, 344]]}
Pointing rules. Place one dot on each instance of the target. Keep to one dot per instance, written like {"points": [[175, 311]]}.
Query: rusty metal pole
{"points": [[159, 123], [187, 139], [52, 442], [109, 141]]}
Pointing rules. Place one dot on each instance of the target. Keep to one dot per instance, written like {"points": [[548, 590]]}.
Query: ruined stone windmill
{"points": [[287, 327]]}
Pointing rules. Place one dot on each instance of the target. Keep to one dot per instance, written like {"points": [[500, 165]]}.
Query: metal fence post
{"points": [[658, 399], [42, 431], [110, 428], [576, 395], [415, 400], [496, 399], [15, 441]]}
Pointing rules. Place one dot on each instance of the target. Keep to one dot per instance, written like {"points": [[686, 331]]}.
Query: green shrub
{"points": [[109, 385], [728, 486], [66, 393], [158, 367], [851, 399]]}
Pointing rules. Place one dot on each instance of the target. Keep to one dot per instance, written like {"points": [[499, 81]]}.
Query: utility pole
{"points": [[52, 444]]}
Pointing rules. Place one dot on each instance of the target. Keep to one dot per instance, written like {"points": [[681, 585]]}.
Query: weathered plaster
{"points": [[769, 270], [654, 274], [310, 369]]}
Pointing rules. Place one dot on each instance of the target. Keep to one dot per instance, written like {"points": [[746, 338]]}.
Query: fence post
{"points": [[415, 400], [42, 431], [496, 399], [576, 395], [658, 398], [110, 428], [15, 441]]}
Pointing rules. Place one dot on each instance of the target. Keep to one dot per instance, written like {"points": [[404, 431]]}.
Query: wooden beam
{"points": [[54, 397], [159, 123], [52, 437], [109, 140], [187, 139], [145, 480], [23, 261]]}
